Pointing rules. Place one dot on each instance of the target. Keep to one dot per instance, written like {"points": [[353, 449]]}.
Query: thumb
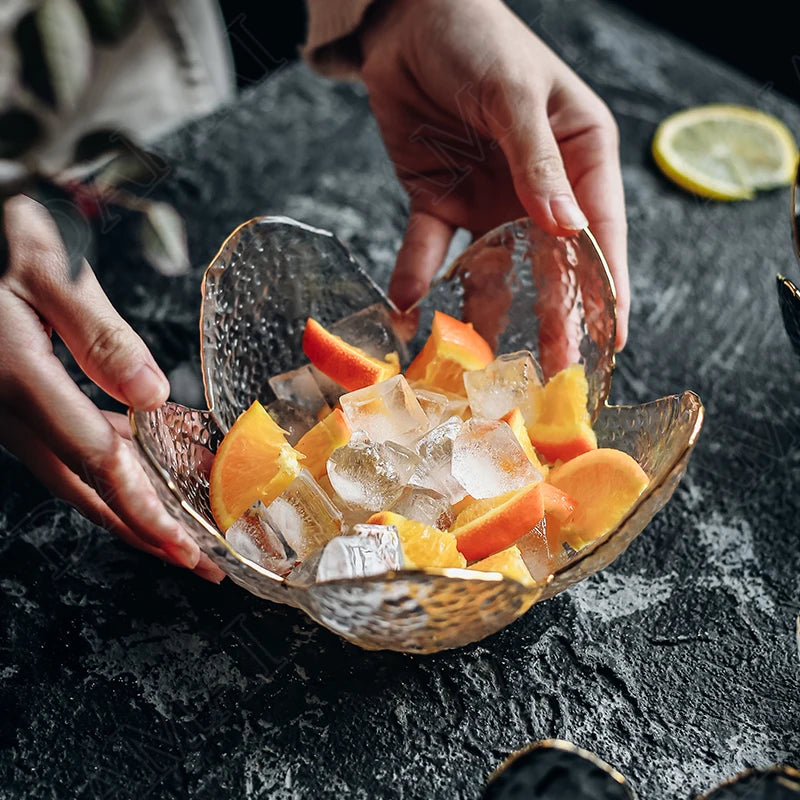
{"points": [[518, 120], [423, 250]]}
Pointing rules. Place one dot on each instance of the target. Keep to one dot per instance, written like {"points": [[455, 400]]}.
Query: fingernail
{"points": [[566, 213], [146, 388], [185, 551], [208, 570]]}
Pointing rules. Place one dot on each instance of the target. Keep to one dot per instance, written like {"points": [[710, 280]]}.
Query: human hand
{"points": [[484, 124], [80, 453]]}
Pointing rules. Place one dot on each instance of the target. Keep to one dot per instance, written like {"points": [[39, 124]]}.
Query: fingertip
{"points": [[622, 337], [567, 213], [208, 570], [405, 289], [421, 254], [147, 389], [184, 551]]}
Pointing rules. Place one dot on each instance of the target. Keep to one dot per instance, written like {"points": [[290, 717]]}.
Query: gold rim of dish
{"points": [[567, 747]]}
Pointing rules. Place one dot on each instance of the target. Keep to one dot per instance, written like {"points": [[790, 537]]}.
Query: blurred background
{"points": [[761, 39]]}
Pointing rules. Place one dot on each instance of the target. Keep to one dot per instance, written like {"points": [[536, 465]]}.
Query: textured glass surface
{"points": [[270, 275], [267, 279], [524, 289]]}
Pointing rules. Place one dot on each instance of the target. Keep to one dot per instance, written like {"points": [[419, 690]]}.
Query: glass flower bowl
{"points": [[522, 289]]}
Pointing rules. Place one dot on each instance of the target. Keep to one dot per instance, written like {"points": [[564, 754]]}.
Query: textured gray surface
{"points": [[122, 677]]}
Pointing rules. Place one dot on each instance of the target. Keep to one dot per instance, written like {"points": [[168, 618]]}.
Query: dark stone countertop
{"points": [[123, 677]]}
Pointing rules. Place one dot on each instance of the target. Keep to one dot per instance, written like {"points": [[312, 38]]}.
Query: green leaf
{"points": [[19, 131], [110, 21], [55, 52], [163, 239], [76, 232]]}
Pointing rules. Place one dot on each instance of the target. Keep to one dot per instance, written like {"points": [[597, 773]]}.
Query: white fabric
{"points": [[175, 65]]}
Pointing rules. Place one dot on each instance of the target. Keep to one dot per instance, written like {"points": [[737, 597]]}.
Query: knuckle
{"points": [[545, 169], [605, 128], [110, 346], [104, 466]]}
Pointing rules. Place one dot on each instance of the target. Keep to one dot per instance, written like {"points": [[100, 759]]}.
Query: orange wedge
{"points": [[488, 526], [558, 510], [344, 363], [558, 505], [423, 546], [464, 504], [604, 484], [452, 348], [253, 462], [507, 562], [516, 422], [563, 428], [318, 443]]}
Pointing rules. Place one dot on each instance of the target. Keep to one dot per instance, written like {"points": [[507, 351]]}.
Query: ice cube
{"points": [[300, 388], [295, 421], [331, 390], [304, 515], [434, 470], [457, 407], [370, 475], [253, 537], [434, 404], [386, 411], [351, 515], [539, 556], [372, 331], [370, 550], [511, 380], [425, 505], [488, 460]]}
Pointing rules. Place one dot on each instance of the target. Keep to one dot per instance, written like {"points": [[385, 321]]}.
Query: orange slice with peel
{"points": [[604, 484], [452, 348], [516, 422], [318, 443], [558, 510], [488, 526], [558, 505], [464, 504], [423, 545], [507, 562], [344, 363], [253, 462], [563, 428]]}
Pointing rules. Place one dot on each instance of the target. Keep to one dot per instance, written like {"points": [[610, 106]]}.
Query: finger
{"points": [[591, 156], [422, 253], [517, 117], [23, 442], [205, 568], [208, 570], [40, 391], [62, 482], [119, 422], [104, 345]]}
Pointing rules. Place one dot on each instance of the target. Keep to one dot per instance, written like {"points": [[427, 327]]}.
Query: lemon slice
{"points": [[726, 152]]}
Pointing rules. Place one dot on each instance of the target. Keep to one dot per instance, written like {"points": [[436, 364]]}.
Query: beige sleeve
{"points": [[330, 47]]}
